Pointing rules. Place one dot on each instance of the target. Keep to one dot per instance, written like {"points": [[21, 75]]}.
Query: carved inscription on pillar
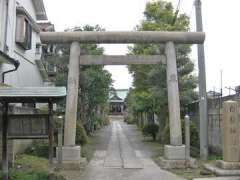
{"points": [[231, 132]]}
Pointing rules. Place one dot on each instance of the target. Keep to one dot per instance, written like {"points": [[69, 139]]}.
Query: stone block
{"points": [[228, 165], [177, 164], [70, 153], [71, 158], [174, 152], [221, 172], [73, 165]]}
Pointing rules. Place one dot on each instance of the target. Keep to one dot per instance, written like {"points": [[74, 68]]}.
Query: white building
{"points": [[20, 40]]}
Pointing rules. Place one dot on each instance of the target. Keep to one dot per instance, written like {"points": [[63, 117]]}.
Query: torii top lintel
{"points": [[123, 37]]}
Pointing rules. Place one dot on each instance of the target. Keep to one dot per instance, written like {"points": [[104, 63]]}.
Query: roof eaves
{"points": [[40, 10]]}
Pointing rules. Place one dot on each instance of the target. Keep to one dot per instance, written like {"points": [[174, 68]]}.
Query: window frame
{"points": [[24, 31]]}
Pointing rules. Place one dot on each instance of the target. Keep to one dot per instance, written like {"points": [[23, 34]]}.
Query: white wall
{"points": [[2, 22], [28, 73]]}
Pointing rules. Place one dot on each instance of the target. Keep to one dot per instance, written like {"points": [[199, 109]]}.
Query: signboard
{"points": [[28, 126]]}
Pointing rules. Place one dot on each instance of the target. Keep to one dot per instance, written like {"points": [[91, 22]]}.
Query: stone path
{"points": [[120, 155]]}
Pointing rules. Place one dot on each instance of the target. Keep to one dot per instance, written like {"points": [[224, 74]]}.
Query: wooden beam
{"points": [[121, 60]]}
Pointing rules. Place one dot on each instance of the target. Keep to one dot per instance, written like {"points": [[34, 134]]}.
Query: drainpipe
{"points": [[5, 49], [16, 65]]}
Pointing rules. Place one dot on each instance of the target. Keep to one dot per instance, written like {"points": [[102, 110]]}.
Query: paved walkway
{"points": [[120, 155]]}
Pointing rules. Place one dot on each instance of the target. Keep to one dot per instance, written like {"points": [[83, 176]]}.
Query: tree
{"points": [[94, 81], [151, 79]]}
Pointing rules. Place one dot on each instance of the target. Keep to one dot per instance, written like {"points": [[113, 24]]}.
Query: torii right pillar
{"points": [[174, 154]]}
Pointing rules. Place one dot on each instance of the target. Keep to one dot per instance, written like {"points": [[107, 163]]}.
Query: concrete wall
{"points": [[2, 22], [28, 73]]}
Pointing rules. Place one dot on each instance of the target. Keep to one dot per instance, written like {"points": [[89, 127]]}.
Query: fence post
{"points": [[5, 141], [187, 137]]}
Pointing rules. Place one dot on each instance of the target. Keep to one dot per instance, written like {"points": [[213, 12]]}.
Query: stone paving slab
{"points": [[136, 162], [113, 157], [128, 154]]}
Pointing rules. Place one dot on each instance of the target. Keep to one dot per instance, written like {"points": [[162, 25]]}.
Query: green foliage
{"points": [[150, 86], [32, 175], [194, 137], [94, 81], [151, 129], [39, 148], [95, 85], [29, 168], [81, 135], [165, 134], [21, 175], [56, 177], [33, 163], [131, 120], [215, 157]]}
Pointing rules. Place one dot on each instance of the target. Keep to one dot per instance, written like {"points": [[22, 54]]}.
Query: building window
{"points": [[23, 32], [38, 48]]}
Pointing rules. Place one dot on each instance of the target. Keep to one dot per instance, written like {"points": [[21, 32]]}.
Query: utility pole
{"points": [[221, 90], [202, 87]]}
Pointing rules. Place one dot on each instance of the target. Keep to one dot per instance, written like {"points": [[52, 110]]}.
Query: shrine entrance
{"points": [[173, 152]]}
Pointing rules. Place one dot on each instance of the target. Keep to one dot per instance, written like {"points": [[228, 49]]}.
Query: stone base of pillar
{"points": [[177, 163], [174, 152], [70, 156], [175, 158], [228, 165], [220, 171]]}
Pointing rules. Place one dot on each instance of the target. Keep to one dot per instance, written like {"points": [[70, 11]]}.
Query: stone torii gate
{"points": [[173, 152]]}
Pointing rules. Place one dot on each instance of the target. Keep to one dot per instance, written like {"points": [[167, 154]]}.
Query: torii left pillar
{"points": [[71, 154]]}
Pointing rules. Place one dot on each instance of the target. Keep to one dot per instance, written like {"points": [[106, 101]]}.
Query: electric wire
{"points": [[177, 11]]}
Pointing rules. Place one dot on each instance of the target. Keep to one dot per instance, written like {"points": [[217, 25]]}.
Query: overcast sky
{"points": [[221, 24]]}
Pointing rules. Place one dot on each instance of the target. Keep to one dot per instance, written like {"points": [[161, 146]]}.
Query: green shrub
{"points": [[106, 121], [32, 163], [97, 122], [151, 129], [32, 175], [22, 175], [81, 135], [55, 177], [165, 134], [31, 168], [194, 137], [39, 148], [130, 120]]}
